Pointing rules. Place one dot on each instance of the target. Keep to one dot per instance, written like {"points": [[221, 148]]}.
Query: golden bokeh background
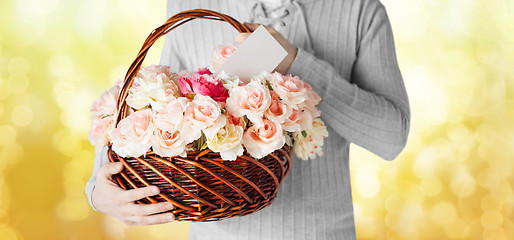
{"points": [[454, 180]]}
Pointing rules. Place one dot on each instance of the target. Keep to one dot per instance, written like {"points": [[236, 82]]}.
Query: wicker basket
{"points": [[202, 186]]}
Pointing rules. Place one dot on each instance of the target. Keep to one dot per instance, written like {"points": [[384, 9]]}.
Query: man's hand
{"points": [[109, 198], [283, 67]]}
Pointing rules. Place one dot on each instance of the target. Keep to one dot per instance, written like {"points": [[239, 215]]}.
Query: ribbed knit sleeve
{"points": [[100, 160], [372, 109]]}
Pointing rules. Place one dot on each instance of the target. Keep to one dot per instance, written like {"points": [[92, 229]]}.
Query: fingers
{"points": [[150, 220], [110, 169], [139, 193], [240, 38], [252, 26], [150, 209]]}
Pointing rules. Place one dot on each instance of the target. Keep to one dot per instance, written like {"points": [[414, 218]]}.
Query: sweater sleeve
{"points": [[100, 160], [372, 109]]}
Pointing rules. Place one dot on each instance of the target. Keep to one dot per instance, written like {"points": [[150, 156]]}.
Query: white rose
{"points": [[155, 90], [310, 145], [227, 141]]}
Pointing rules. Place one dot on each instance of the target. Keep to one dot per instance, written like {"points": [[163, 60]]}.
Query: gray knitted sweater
{"points": [[346, 52]]}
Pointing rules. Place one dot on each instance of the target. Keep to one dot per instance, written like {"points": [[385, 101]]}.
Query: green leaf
{"points": [[269, 85], [304, 133], [204, 146], [223, 111]]}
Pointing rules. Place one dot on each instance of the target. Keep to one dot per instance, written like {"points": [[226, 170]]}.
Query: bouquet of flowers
{"points": [[173, 113]]}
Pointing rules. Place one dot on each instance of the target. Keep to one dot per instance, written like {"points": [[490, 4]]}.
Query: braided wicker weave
{"points": [[202, 186]]}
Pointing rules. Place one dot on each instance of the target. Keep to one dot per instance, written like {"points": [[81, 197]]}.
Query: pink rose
{"points": [[251, 100], [98, 134], [204, 85], [313, 99], [154, 70], [291, 90], [298, 120], [262, 140], [202, 71], [171, 117], [202, 114], [277, 111], [131, 138], [220, 54], [168, 144], [106, 104]]}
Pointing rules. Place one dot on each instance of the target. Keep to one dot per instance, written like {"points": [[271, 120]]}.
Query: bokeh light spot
{"points": [[113, 228], [462, 184], [73, 208], [491, 219], [18, 66], [18, 83], [22, 115], [12, 152], [394, 203], [490, 203], [367, 183], [488, 179], [7, 233], [8, 135], [459, 229], [61, 66], [495, 234], [444, 213], [414, 193], [431, 186]]}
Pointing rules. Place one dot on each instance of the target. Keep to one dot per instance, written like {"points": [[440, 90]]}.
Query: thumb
{"points": [[110, 169]]}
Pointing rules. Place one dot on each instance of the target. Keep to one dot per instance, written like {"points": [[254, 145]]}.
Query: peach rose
{"points": [[264, 139], [291, 90], [238, 121], [202, 114], [131, 138], [168, 144], [98, 134], [220, 54], [251, 100], [277, 111], [298, 120]]}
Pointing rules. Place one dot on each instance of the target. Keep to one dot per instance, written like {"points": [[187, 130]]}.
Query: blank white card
{"points": [[259, 52]]}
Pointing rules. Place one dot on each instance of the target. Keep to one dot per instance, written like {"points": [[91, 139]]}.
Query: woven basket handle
{"points": [[172, 23]]}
